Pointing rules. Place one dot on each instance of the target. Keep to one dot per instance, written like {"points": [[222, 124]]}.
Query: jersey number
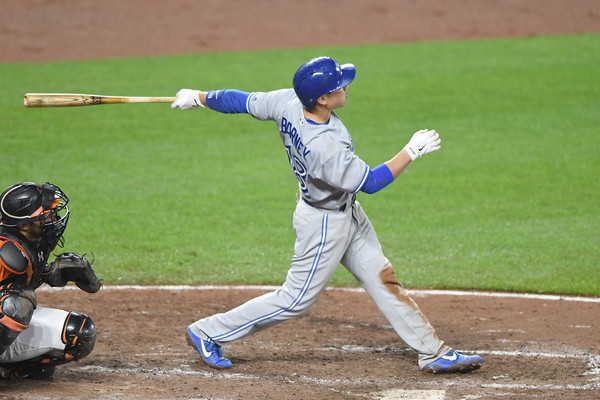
{"points": [[298, 168]]}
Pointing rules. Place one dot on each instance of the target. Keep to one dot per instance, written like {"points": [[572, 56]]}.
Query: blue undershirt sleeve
{"points": [[228, 101], [379, 177]]}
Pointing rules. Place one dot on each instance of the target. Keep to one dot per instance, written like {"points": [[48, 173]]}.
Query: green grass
{"points": [[162, 196]]}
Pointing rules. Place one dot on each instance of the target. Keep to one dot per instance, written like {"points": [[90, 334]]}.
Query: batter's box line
{"points": [[416, 292], [156, 371], [592, 368], [512, 386]]}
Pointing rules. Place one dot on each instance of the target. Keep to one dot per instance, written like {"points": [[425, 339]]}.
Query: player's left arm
{"points": [[71, 267], [423, 142]]}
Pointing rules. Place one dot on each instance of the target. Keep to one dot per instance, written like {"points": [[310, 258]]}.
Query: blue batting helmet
{"points": [[320, 76]]}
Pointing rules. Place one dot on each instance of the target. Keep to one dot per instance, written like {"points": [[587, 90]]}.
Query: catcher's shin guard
{"points": [[79, 335], [16, 309]]}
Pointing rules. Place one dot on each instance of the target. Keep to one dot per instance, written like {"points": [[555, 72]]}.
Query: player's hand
{"points": [[423, 142], [71, 267], [187, 99]]}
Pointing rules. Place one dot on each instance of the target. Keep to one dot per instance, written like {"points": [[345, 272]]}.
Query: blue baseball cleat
{"points": [[453, 361], [210, 352]]}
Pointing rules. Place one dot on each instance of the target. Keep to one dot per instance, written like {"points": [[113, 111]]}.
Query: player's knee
{"points": [[16, 307], [16, 310], [389, 280], [79, 336]]}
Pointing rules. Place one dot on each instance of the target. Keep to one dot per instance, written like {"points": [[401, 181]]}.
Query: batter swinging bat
{"points": [[76, 100]]}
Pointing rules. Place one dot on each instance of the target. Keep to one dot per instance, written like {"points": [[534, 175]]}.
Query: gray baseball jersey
{"points": [[321, 155], [330, 228]]}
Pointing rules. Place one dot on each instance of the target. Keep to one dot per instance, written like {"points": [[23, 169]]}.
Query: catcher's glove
{"points": [[70, 267]]}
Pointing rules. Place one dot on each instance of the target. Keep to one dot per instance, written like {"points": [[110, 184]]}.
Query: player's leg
{"points": [[320, 242], [17, 304], [365, 260], [53, 337]]}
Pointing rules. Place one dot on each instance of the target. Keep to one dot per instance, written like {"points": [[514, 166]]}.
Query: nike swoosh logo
{"points": [[205, 353], [453, 357], [421, 149]]}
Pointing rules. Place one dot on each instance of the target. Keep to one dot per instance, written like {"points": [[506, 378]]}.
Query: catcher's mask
{"points": [[28, 202]]}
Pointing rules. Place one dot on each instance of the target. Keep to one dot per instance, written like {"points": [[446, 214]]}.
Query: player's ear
{"points": [[25, 227], [322, 100]]}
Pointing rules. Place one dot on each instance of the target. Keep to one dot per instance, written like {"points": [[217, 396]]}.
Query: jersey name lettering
{"points": [[288, 129], [295, 143]]}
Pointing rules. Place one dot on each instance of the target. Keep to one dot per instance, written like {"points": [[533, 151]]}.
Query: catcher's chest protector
{"points": [[36, 259]]}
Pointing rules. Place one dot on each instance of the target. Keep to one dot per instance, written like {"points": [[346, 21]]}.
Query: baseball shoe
{"points": [[34, 371], [453, 361], [210, 352]]}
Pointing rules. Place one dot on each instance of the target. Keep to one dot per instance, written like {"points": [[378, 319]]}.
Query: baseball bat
{"points": [[76, 99]]}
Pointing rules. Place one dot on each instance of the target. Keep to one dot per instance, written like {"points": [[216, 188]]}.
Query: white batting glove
{"points": [[187, 99], [423, 142]]}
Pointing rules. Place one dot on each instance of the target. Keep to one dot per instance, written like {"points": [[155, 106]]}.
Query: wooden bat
{"points": [[76, 100]]}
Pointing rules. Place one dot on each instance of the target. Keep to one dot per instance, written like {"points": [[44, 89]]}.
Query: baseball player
{"points": [[34, 339], [330, 225]]}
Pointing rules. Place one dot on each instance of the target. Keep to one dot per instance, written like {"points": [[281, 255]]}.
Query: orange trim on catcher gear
{"points": [[64, 332], [37, 212], [12, 324], [6, 271], [41, 210]]}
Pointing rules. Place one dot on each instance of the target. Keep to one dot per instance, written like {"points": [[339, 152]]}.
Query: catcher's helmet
{"points": [[320, 76], [28, 202]]}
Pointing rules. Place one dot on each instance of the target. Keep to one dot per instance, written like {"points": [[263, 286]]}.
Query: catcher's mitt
{"points": [[70, 267]]}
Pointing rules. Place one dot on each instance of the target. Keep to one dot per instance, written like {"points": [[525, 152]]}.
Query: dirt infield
{"points": [[43, 30], [534, 347], [343, 348]]}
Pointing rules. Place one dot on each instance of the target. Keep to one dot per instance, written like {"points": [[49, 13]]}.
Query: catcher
{"points": [[34, 339]]}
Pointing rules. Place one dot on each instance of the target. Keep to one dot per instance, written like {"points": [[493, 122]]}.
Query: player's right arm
{"points": [[261, 105], [228, 101], [17, 299]]}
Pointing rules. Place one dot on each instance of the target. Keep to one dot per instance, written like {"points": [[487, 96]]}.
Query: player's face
{"points": [[32, 231], [337, 98]]}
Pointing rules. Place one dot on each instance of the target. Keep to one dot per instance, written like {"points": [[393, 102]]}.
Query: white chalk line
{"points": [[415, 292]]}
